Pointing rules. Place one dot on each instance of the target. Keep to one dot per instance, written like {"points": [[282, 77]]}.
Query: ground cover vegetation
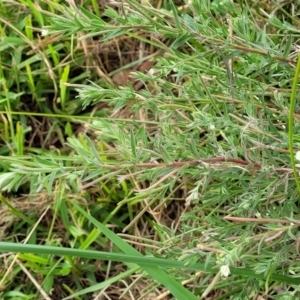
{"points": [[149, 149]]}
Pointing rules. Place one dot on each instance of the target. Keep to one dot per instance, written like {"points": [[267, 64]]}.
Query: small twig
{"points": [[211, 286], [243, 47], [185, 282], [196, 161], [258, 220], [159, 181], [179, 164], [209, 249], [273, 237], [265, 53], [33, 280]]}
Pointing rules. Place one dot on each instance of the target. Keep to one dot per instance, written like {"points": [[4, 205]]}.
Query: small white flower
{"points": [[151, 72], [297, 156], [121, 178], [45, 32], [225, 271], [212, 127], [194, 195]]}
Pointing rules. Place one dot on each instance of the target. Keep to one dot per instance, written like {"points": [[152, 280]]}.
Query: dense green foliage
{"points": [[176, 124]]}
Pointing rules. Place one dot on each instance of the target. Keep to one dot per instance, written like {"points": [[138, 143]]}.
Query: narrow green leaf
{"points": [[155, 272], [133, 143], [104, 284], [175, 13]]}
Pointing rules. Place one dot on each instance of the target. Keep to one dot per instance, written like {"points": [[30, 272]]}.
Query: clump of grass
{"points": [[207, 134]]}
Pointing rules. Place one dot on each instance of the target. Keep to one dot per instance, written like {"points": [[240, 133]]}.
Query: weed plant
{"points": [[196, 149]]}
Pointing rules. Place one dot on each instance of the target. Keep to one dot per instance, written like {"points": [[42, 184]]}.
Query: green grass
{"points": [[179, 183]]}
